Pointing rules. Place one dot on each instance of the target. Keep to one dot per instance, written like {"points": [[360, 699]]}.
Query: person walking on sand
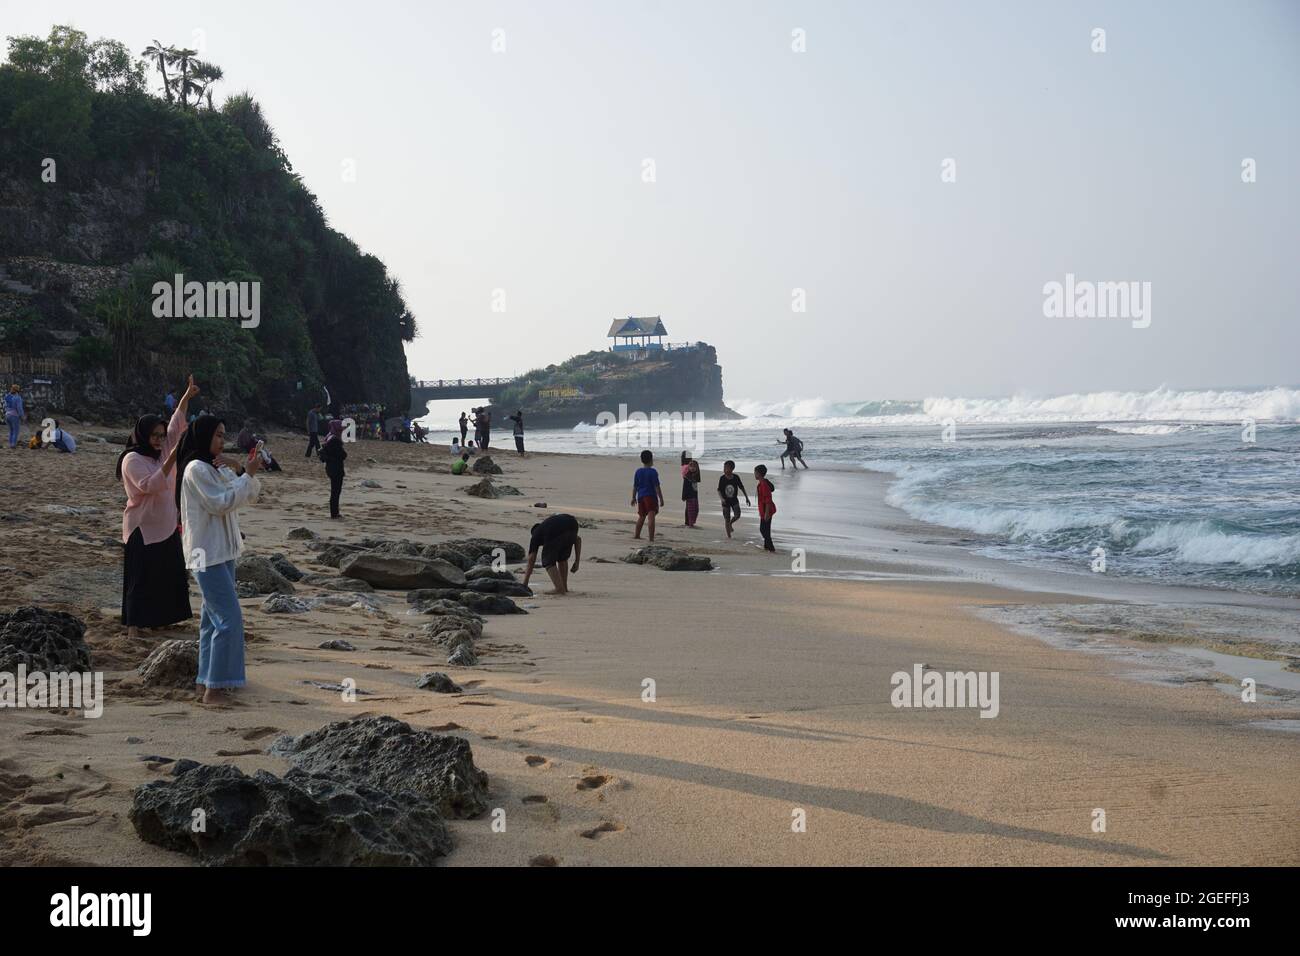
{"points": [[334, 454], [464, 428], [766, 506], [485, 424], [15, 414], [518, 419], [155, 587], [793, 451], [557, 537], [691, 488], [210, 493], [646, 493], [730, 488], [313, 430]]}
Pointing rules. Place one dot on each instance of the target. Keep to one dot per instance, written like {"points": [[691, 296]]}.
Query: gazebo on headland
{"points": [[633, 334]]}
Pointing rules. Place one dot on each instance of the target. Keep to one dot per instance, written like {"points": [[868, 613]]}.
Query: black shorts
{"points": [[731, 508], [558, 548]]}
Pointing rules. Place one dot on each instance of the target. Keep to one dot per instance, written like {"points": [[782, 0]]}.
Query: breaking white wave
{"points": [[1162, 404]]}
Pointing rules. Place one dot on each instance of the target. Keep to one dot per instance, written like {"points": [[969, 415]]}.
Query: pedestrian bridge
{"points": [[436, 389]]}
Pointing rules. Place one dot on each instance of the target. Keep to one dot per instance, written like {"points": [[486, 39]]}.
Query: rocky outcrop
{"points": [[390, 755], [669, 559], [260, 573], [398, 572], [222, 817], [439, 683], [42, 640], [484, 465], [286, 568], [171, 664]]}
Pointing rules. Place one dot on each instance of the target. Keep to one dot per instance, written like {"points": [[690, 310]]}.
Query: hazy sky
{"points": [[778, 170]]}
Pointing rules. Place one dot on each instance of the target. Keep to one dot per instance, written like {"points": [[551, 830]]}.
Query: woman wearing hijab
{"points": [[155, 588], [209, 493], [334, 454]]}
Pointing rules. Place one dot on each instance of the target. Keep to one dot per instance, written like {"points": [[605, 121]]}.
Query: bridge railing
{"points": [[462, 382]]}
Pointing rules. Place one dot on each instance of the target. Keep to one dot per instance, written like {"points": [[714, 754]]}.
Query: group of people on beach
{"points": [[482, 422], [54, 437], [648, 496]]}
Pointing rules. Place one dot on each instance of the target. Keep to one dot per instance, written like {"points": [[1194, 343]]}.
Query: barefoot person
{"points": [[730, 488], [691, 488], [155, 587], [646, 493], [557, 537], [793, 450], [766, 506], [210, 493]]}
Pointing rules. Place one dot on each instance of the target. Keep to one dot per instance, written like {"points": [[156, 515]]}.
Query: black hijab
{"points": [[196, 445], [138, 440]]}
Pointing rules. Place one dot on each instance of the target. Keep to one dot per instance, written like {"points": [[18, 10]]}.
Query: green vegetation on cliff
{"points": [[141, 188]]}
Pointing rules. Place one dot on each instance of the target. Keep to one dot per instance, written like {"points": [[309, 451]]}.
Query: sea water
{"points": [[1197, 488]]}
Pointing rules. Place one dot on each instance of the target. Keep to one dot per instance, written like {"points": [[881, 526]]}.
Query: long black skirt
{"points": [[155, 584]]}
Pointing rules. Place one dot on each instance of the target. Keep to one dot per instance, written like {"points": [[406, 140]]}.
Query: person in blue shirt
{"points": [[14, 413], [646, 493], [170, 401]]}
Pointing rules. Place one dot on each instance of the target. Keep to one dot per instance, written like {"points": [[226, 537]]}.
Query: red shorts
{"points": [[647, 505]]}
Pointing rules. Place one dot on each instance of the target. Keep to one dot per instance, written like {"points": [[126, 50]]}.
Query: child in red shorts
{"points": [[646, 493]]}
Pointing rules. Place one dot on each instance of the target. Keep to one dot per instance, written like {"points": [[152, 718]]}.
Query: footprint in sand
{"points": [[606, 826], [594, 781], [544, 859], [534, 798], [535, 761]]}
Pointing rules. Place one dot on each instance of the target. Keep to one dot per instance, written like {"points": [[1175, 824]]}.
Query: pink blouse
{"points": [[151, 495]]}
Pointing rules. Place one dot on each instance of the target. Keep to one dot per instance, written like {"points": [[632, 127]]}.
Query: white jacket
{"points": [[209, 500]]}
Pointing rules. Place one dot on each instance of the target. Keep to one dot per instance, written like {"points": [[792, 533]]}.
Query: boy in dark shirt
{"points": [[766, 506], [646, 493], [557, 537], [730, 487]]}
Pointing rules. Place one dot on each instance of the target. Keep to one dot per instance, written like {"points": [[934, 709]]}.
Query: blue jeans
{"points": [[221, 629], [14, 423]]}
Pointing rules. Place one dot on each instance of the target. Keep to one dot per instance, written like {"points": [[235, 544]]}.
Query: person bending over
{"points": [[557, 537]]}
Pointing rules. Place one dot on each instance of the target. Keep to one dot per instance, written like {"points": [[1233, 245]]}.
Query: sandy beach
{"points": [[771, 693]]}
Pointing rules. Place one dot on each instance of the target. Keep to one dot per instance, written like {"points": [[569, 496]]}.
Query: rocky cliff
{"points": [[106, 191], [682, 380]]}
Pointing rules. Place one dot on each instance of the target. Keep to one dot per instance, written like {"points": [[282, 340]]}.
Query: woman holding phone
{"points": [[210, 493]]}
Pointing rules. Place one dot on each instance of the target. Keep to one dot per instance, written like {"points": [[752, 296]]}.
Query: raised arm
{"points": [[217, 493]]}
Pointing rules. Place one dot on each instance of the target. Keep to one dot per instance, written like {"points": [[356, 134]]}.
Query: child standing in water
{"points": [[766, 506]]}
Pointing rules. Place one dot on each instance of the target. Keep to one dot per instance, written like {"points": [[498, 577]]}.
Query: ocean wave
{"points": [[1159, 405], [1200, 542]]}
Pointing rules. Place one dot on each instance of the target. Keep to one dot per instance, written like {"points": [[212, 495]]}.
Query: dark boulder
{"points": [[498, 586], [43, 641], [286, 568], [259, 572], [390, 755], [300, 819], [401, 572], [439, 683], [171, 664], [484, 465], [669, 559]]}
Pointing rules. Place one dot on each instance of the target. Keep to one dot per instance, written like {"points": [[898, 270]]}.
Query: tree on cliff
{"points": [[162, 188]]}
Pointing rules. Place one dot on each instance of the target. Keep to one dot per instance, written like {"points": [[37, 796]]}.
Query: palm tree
{"points": [[183, 84], [205, 74], [164, 55]]}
